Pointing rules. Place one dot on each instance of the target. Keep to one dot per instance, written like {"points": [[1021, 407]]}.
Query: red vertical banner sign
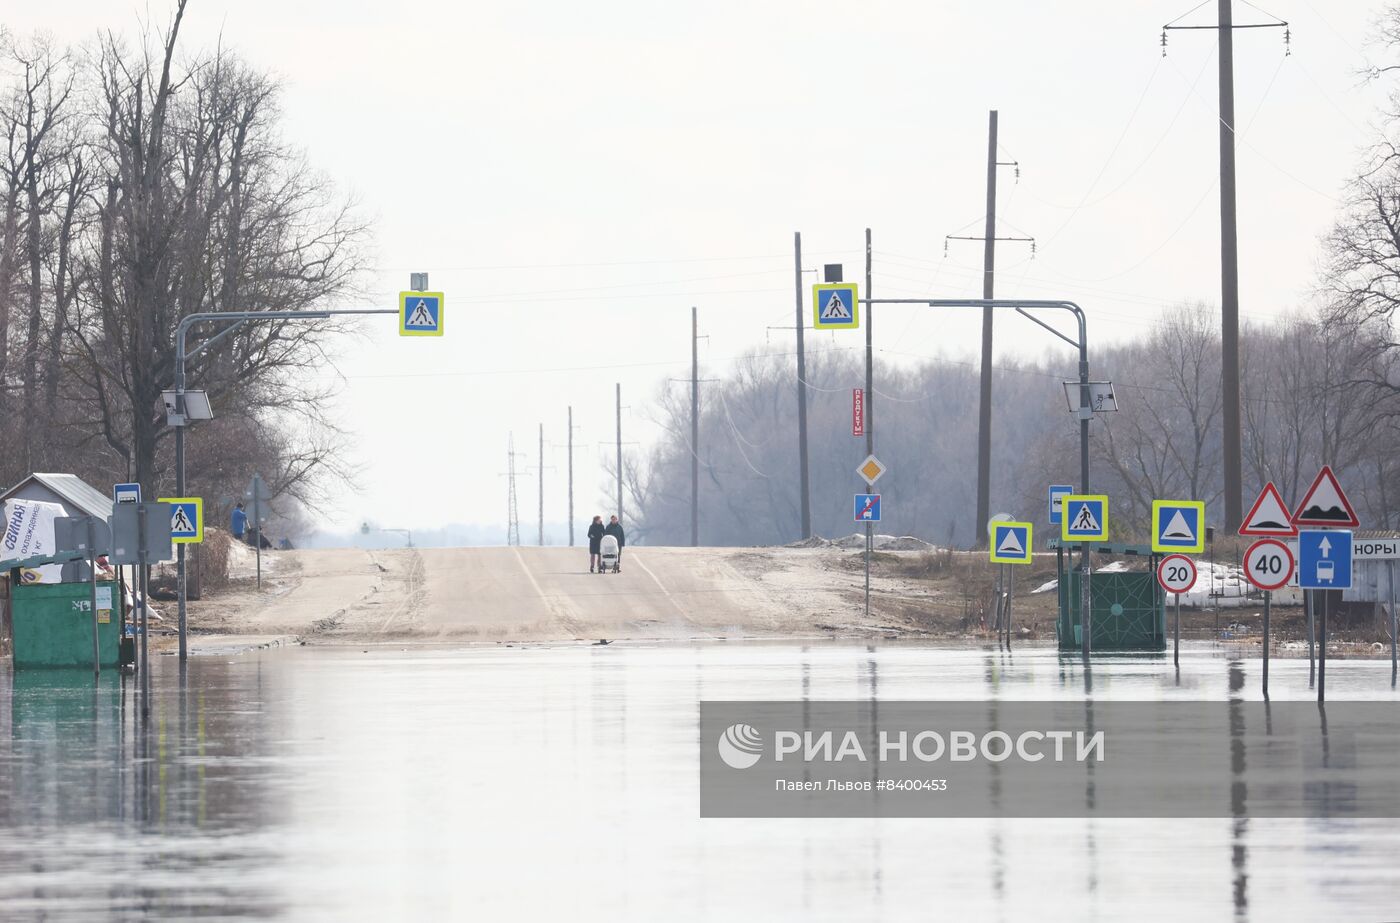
{"points": [[857, 411]]}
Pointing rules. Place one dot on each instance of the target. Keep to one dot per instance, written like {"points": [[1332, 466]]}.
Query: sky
{"points": [[575, 177]]}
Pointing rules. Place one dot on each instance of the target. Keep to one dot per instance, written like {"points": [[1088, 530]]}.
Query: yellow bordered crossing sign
{"points": [[835, 305], [186, 519], [1084, 518], [1011, 542], [1179, 526], [420, 314]]}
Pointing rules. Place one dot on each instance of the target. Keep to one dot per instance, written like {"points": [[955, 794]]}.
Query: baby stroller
{"points": [[609, 555]]}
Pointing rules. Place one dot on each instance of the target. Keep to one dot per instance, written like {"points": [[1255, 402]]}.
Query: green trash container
{"points": [[52, 624]]}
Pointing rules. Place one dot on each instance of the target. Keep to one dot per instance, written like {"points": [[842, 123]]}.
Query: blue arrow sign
{"points": [[867, 507], [1324, 559]]}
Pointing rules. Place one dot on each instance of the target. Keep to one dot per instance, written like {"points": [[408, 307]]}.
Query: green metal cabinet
{"points": [[52, 624], [1127, 610]]}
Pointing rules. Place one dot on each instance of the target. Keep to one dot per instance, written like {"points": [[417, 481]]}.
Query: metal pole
{"points": [[694, 427], [803, 484], [541, 472], [1229, 276], [237, 318], [1309, 608], [619, 451], [92, 578], [1268, 597], [571, 476], [868, 537], [1322, 649], [1010, 597], [984, 406], [1085, 413], [257, 525], [869, 408], [142, 586], [1390, 567], [1176, 633]]}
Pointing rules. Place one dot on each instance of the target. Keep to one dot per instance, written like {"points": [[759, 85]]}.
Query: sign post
{"points": [[1177, 574], [1324, 506], [1010, 542], [257, 493], [870, 471], [1269, 518], [1269, 565], [1084, 518]]}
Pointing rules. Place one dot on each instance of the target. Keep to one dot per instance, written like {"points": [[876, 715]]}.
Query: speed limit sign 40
{"points": [[1176, 573], [1268, 564]]}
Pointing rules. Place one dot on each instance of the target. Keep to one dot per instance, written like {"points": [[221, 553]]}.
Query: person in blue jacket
{"points": [[238, 522]]}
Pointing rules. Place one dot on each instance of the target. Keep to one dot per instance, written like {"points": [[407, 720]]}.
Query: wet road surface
{"points": [[493, 782]]}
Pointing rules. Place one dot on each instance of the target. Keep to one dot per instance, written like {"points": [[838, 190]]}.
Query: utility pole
{"points": [[1229, 277], [869, 356], [1229, 253], [801, 323], [989, 240], [512, 515], [571, 476], [619, 451], [694, 427], [541, 541]]}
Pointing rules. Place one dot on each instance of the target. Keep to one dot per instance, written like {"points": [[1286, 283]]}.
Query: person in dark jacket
{"points": [[595, 543], [615, 530]]}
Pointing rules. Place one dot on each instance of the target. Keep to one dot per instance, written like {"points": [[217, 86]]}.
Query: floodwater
{"points": [[496, 782]]}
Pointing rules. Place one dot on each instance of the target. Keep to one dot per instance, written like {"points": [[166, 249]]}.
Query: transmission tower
{"points": [[513, 524]]}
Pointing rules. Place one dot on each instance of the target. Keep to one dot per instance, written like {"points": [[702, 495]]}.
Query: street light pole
{"points": [[1024, 306], [235, 320]]}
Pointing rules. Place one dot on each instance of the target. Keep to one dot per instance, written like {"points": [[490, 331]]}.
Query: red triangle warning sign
{"points": [[1325, 504], [1269, 515]]}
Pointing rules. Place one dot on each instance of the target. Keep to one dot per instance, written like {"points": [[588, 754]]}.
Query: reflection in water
{"points": [[1239, 824], [499, 783]]}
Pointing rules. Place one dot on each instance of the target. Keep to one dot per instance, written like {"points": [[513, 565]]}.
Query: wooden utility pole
{"points": [[694, 427], [804, 486], [571, 476], [1229, 251], [619, 451]]}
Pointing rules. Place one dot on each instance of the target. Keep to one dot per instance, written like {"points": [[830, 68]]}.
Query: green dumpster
{"points": [[52, 624], [1127, 611]]}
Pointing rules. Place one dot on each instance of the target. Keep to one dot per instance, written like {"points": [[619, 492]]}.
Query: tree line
{"points": [[139, 184]]}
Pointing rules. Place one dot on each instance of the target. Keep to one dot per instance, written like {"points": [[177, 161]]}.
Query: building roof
{"points": [[72, 491]]}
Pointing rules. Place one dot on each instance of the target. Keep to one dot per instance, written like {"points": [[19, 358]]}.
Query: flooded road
{"points": [[494, 782]]}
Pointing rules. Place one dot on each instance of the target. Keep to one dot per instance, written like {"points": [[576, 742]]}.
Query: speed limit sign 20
{"points": [[1268, 564], [1176, 573]]}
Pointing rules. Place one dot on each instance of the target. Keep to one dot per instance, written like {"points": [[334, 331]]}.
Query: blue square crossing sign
{"points": [[835, 305], [420, 314], [1178, 526], [1085, 518]]}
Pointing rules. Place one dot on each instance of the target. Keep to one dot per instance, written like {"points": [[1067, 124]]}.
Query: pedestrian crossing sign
{"points": [[1178, 526], [420, 314], [186, 519], [1011, 542], [1085, 518], [835, 305]]}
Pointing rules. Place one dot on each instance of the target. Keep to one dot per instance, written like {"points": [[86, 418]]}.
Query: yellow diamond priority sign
{"points": [[871, 469]]}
